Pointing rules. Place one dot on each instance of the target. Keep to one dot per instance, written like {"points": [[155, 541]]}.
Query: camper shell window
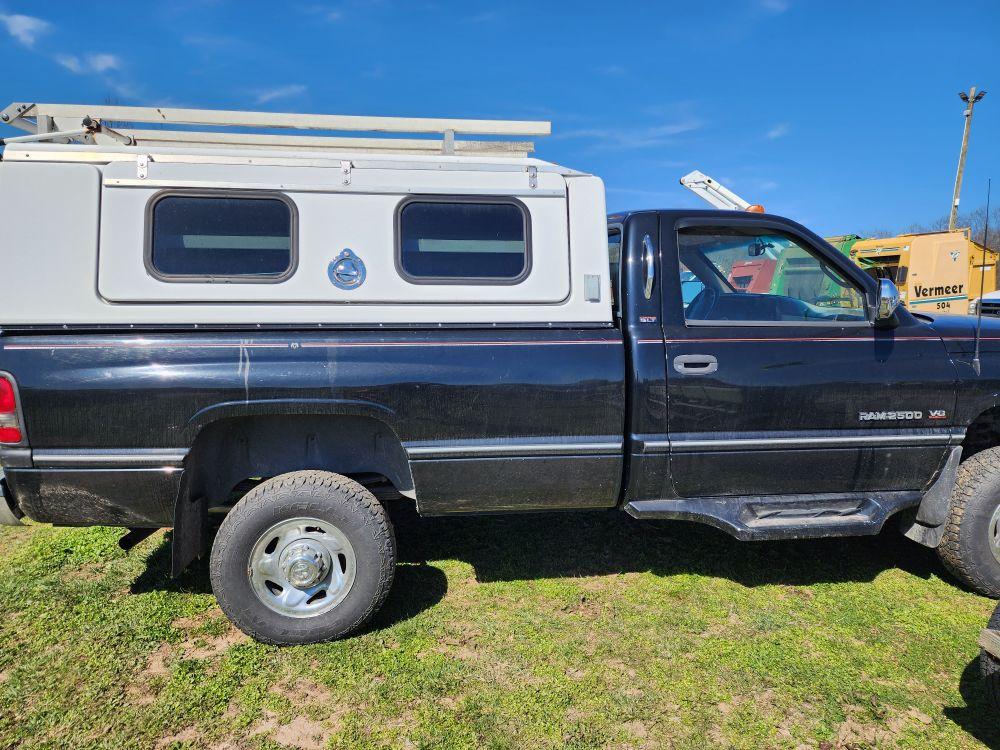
{"points": [[216, 236], [461, 240]]}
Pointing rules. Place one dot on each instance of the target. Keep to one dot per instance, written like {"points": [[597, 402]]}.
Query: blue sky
{"points": [[842, 115]]}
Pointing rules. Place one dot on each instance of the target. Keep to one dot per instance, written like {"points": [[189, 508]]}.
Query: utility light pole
{"points": [[970, 99]]}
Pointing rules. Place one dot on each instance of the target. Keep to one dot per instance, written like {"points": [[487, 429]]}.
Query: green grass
{"points": [[535, 631]]}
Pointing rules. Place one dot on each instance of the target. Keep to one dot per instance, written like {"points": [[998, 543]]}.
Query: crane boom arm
{"points": [[714, 193]]}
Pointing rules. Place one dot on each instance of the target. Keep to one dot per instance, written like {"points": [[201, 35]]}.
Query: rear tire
{"points": [[989, 666], [970, 547], [303, 558]]}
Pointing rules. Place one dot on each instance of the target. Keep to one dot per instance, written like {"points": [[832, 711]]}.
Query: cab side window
{"points": [[761, 276]]}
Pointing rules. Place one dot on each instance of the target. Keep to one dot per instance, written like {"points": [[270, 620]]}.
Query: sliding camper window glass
{"points": [[461, 241], [213, 237]]}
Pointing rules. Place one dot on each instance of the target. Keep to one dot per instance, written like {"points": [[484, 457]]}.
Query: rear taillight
{"points": [[10, 426]]}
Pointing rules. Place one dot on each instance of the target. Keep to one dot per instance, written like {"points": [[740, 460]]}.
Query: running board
{"points": [[756, 518]]}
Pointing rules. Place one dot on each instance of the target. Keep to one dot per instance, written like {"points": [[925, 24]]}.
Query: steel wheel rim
{"points": [[302, 567], [994, 533]]}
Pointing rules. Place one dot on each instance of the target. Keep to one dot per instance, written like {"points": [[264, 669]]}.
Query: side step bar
{"points": [[755, 518]]}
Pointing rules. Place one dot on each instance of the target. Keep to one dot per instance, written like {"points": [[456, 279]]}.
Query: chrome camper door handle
{"points": [[696, 364]]}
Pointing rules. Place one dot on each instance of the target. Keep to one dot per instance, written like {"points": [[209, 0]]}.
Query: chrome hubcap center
{"points": [[304, 565], [994, 534]]}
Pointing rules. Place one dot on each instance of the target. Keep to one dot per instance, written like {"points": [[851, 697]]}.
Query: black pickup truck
{"points": [[820, 411], [280, 331]]}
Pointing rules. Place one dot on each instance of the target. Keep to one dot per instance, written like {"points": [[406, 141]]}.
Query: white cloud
{"points": [[779, 131], [612, 70], [628, 138], [25, 29], [280, 92], [333, 15], [775, 6], [101, 62], [768, 185], [70, 62]]}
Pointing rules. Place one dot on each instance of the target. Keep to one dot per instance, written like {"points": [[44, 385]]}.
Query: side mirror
{"points": [[888, 301], [757, 247]]}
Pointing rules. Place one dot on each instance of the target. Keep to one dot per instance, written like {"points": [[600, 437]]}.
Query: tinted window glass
{"points": [[221, 237], [615, 264], [761, 276], [463, 240]]}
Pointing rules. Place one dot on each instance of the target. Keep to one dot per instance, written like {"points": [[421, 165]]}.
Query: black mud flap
{"points": [[190, 535], [926, 525]]}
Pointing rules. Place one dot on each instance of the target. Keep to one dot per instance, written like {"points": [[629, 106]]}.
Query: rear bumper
{"points": [[136, 488], [134, 497]]}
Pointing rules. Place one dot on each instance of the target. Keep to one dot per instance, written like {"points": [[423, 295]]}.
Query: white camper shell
{"points": [[90, 213]]}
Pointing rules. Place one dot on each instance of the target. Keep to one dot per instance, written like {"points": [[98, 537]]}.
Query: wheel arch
{"points": [[983, 431], [238, 441]]}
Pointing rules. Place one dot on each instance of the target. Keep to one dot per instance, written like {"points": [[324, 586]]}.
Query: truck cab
{"points": [[773, 415]]}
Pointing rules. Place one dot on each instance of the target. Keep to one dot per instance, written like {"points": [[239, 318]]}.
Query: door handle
{"points": [[695, 364], [649, 262]]}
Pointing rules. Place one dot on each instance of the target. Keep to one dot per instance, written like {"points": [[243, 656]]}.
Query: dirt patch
{"points": [[206, 647], [719, 628], [300, 733], [193, 622], [462, 644], [857, 731], [303, 692], [157, 665], [197, 645], [191, 647], [586, 606], [139, 690], [188, 734], [636, 729], [92, 571]]}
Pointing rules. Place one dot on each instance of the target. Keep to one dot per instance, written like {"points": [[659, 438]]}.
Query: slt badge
{"points": [[347, 270]]}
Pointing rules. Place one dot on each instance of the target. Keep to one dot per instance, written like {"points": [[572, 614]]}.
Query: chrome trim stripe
{"points": [[153, 457], [687, 446], [300, 344], [512, 449], [655, 446]]}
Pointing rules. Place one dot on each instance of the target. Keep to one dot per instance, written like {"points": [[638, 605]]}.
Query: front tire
{"points": [[970, 547], [304, 557]]}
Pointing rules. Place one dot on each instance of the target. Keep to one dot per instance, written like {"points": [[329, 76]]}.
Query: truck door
{"points": [[792, 390]]}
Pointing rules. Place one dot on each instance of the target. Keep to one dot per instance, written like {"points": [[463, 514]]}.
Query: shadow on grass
{"points": [[570, 544], [414, 589], [976, 717]]}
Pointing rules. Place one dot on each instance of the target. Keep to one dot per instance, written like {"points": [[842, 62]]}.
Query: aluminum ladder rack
{"points": [[103, 124]]}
